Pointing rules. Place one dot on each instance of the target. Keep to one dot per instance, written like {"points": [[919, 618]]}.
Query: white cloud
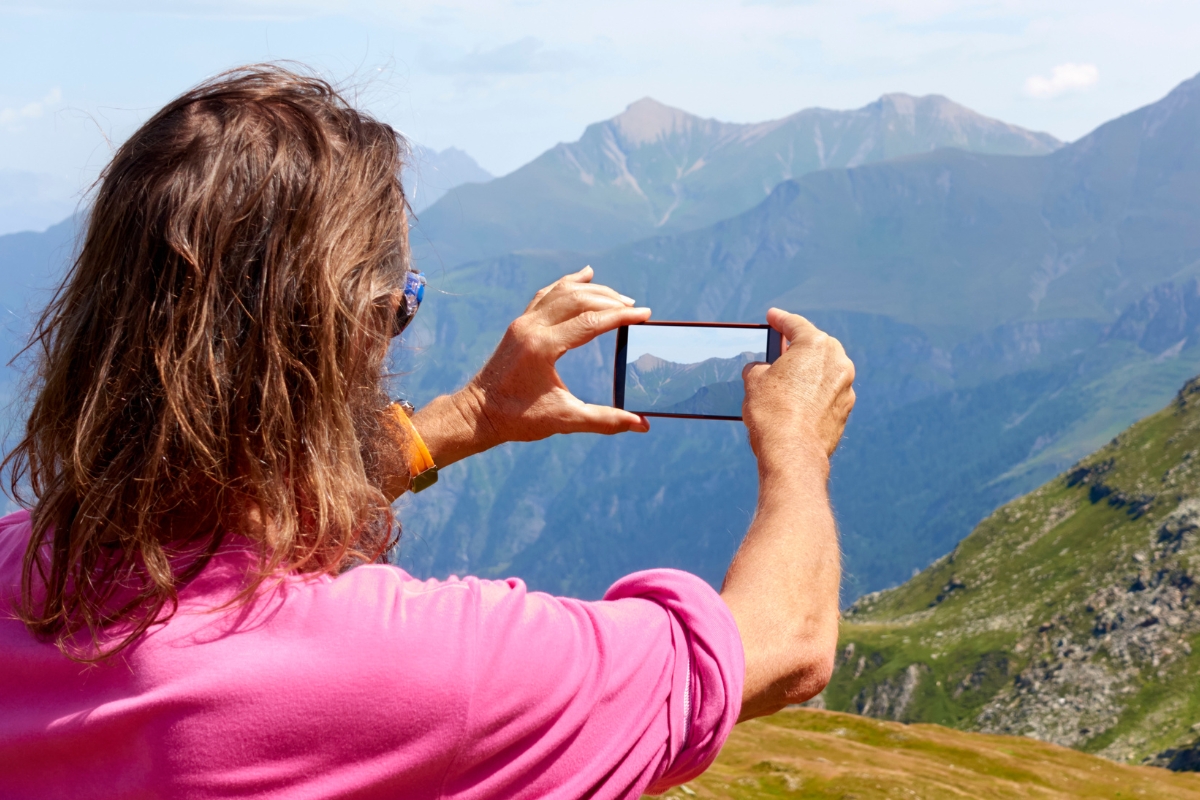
{"points": [[1063, 78], [9, 116], [522, 57]]}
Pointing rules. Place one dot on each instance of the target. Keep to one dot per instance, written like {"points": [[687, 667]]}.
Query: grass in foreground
{"points": [[822, 754]]}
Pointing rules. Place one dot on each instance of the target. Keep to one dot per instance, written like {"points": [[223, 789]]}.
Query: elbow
{"points": [[813, 665], [812, 678]]}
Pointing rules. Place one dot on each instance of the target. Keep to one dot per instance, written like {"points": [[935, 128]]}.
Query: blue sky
{"points": [[693, 345], [507, 79]]}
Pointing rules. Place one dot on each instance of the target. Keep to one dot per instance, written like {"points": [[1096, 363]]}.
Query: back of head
{"points": [[213, 361]]}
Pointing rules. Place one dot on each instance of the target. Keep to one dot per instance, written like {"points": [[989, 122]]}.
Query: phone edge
{"points": [[774, 345], [622, 350]]}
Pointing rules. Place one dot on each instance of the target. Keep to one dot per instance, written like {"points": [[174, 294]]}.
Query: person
{"points": [[196, 600]]}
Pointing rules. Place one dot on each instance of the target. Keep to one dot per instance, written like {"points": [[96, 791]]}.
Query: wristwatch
{"points": [[423, 472]]}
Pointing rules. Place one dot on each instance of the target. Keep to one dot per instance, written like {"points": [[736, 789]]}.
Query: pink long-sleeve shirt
{"points": [[376, 684]]}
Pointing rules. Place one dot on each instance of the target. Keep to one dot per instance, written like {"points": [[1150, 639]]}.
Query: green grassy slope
{"points": [[802, 753], [1068, 615]]}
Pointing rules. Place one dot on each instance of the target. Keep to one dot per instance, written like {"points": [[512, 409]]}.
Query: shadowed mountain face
{"points": [[657, 169], [713, 386]]}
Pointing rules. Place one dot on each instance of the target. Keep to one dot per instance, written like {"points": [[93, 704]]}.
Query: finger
{"points": [[607, 291], [582, 277], [753, 371], [568, 299], [561, 306], [582, 328], [793, 326], [608, 420], [551, 317]]}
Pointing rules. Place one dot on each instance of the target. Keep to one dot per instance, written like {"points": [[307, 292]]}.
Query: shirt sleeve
{"points": [[611, 699]]}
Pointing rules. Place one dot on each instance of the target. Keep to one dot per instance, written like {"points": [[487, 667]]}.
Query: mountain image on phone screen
{"points": [[689, 370]]}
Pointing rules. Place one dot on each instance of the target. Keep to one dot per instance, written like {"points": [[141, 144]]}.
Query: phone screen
{"points": [[689, 370]]}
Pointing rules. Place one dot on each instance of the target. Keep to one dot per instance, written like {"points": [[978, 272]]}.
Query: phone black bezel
{"points": [[774, 350]]}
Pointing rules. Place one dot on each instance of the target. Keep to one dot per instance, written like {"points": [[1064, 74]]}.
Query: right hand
{"points": [[803, 400], [518, 395]]}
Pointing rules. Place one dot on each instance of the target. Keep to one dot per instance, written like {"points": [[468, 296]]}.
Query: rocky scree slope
{"points": [[1071, 615]]}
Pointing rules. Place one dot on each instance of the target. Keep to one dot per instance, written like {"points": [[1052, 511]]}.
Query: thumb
{"points": [[608, 420], [793, 326], [753, 371]]}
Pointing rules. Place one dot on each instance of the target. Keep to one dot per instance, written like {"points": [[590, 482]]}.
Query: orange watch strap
{"points": [[419, 458]]}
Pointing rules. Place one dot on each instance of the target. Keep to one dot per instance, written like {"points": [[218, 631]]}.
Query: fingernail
{"points": [[627, 300]]}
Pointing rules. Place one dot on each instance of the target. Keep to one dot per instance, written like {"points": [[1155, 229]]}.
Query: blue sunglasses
{"points": [[414, 293]]}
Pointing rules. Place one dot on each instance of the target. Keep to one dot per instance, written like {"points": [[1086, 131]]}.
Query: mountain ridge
{"points": [[657, 168]]}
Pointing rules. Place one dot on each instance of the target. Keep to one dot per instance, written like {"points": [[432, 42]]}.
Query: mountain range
{"points": [[1013, 305], [654, 384], [1008, 314], [1009, 308], [656, 169]]}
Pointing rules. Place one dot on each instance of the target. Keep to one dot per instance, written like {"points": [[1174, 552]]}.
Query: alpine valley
{"points": [[1008, 314]]}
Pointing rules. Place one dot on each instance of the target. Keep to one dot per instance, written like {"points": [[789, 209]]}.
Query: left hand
{"points": [[518, 396]]}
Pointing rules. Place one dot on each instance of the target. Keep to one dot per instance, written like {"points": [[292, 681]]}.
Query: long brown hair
{"points": [[213, 360]]}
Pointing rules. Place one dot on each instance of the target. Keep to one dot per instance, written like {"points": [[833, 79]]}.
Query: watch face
{"points": [[424, 480]]}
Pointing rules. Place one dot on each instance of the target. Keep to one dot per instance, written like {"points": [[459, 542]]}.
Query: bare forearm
{"points": [[782, 587], [452, 427], [455, 426]]}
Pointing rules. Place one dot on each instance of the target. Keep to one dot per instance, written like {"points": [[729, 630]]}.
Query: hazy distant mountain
{"points": [[31, 201], [430, 174], [654, 169]]}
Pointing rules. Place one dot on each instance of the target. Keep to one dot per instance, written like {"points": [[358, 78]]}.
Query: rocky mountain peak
{"points": [[900, 103], [647, 121], [649, 363]]}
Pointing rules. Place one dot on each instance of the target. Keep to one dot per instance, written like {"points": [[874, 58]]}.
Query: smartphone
{"points": [[691, 370]]}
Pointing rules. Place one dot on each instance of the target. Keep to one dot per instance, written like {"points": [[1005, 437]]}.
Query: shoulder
{"points": [[384, 582], [379, 600]]}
